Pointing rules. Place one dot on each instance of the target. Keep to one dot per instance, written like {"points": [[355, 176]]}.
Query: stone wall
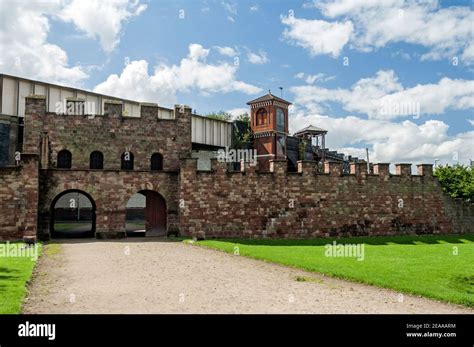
{"points": [[112, 134], [204, 158], [8, 139], [19, 199], [214, 203], [110, 191], [307, 204]]}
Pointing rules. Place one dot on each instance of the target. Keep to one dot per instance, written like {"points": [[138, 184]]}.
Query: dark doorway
{"points": [[156, 162], [127, 161], [96, 160], [73, 215], [64, 159], [146, 214]]}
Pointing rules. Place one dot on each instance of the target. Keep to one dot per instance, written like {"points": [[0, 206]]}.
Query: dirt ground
{"points": [[160, 276]]}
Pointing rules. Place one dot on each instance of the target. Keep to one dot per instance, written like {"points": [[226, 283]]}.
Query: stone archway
{"points": [[72, 215], [146, 214]]}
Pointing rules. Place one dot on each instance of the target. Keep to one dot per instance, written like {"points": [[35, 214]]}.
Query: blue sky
{"points": [[217, 55]]}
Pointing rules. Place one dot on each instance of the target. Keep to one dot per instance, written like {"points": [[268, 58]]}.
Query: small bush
{"points": [[457, 181]]}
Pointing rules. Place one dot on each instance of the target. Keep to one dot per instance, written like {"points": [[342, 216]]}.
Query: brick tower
{"points": [[269, 123]]}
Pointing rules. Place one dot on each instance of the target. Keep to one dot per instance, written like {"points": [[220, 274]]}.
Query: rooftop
{"points": [[311, 129], [268, 97]]}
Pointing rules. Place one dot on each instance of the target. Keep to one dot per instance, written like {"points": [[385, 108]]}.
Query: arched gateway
{"points": [[72, 214], [146, 214]]}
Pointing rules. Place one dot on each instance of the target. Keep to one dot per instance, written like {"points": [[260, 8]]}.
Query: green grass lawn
{"points": [[15, 272], [423, 265]]}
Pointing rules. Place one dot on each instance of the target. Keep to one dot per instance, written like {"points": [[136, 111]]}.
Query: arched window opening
{"points": [[96, 160], [64, 159], [127, 161], [262, 116], [280, 120], [156, 162]]}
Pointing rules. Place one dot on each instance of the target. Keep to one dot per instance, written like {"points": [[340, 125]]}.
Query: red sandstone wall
{"points": [[110, 190], [218, 203], [110, 133], [19, 199], [306, 204]]}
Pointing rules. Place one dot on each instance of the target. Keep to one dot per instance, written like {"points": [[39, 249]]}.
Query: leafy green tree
{"points": [[244, 117], [457, 181], [242, 134], [220, 115]]}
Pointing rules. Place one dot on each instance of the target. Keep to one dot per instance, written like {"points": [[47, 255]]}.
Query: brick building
{"points": [[107, 159]]}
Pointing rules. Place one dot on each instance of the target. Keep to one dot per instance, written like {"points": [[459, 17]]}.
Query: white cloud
{"points": [[24, 30], [192, 74], [335, 8], [230, 7], [197, 52], [445, 32], [310, 79], [259, 58], [383, 97], [254, 8], [235, 112], [401, 54], [390, 141], [317, 36], [101, 19], [468, 53], [227, 51]]}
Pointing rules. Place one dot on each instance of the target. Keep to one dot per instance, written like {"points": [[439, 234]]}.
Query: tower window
{"points": [[280, 145], [280, 120], [96, 160], [156, 162], [262, 117], [64, 159], [127, 161]]}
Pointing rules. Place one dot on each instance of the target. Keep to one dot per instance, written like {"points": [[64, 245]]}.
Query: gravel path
{"points": [[157, 276]]}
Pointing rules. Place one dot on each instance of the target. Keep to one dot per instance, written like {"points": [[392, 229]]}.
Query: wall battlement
{"points": [[316, 201], [250, 203], [306, 167], [111, 134]]}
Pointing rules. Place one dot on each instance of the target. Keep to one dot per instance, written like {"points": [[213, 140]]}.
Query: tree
{"points": [[220, 115], [457, 181], [242, 134], [244, 117]]}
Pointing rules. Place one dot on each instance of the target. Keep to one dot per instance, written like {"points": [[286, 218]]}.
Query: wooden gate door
{"points": [[155, 214]]}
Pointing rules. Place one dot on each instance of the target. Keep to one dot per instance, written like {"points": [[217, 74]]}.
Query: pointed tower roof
{"points": [[311, 130], [268, 97]]}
